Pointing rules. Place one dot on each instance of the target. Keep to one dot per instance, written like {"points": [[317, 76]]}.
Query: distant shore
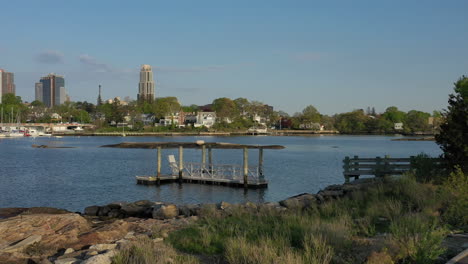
{"points": [[416, 137]]}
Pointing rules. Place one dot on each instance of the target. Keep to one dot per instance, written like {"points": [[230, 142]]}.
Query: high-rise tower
{"points": [[53, 90], [7, 83], [146, 85]]}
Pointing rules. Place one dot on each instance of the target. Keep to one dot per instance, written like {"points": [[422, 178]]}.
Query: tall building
{"points": [[7, 83], [39, 92], [146, 85], [51, 90]]}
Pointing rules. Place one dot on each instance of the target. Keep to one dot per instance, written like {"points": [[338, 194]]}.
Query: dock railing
{"points": [[355, 167], [218, 172]]}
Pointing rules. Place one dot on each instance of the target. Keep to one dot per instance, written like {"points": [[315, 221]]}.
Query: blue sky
{"points": [[335, 55]]}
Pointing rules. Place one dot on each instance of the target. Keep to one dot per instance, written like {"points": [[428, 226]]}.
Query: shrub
{"points": [[427, 169], [455, 190], [418, 238]]}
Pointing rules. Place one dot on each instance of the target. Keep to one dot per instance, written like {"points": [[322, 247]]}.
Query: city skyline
{"points": [[335, 56]]}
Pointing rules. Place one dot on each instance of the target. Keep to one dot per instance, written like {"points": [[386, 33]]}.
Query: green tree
{"points": [[351, 122], [394, 115], [310, 114], [225, 108], [243, 105], [13, 108], [453, 136], [418, 121], [165, 106]]}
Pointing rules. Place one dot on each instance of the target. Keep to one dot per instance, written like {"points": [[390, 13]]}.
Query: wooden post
{"points": [[203, 160], [181, 163], [246, 167], [210, 159], [378, 167], [346, 168], [387, 165], [356, 167], [158, 172], [260, 164]]}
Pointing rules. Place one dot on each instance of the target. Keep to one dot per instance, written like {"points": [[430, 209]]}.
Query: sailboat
{"points": [[2, 133]]}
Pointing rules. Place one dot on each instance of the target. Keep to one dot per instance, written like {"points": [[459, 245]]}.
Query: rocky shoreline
{"points": [[49, 235]]}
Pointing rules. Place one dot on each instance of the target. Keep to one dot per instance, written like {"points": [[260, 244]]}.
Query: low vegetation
{"points": [[397, 221]]}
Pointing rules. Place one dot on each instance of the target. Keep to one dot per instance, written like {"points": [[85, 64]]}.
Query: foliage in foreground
{"points": [[399, 220], [146, 251], [453, 138]]}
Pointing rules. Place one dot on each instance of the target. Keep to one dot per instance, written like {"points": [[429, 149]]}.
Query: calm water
{"points": [[78, 177]]}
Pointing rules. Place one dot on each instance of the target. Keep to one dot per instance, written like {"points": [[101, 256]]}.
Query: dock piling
{"points": [[158, 172], [246, 167], [181, 163], [260, 164]]}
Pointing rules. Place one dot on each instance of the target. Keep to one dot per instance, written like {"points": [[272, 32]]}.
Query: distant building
{"points": [[398, 126], [146, 85], [206, 119], [7, 83], [39, 92], [116, 100], [53, 90]]}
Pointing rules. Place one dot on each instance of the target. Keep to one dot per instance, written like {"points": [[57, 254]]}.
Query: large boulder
{"points": [[138, 209], [40, 235], [92, 210], [301, 201], [166, 212]]}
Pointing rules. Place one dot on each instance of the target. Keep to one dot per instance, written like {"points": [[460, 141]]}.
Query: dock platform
{"points": [[206, 171], [153, 180]]}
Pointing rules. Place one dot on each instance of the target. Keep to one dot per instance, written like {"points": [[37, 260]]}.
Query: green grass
{"points": [[399, 219], [146, 251]]}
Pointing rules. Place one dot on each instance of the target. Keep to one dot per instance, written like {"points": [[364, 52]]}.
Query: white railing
{"points": [[228, 172]]}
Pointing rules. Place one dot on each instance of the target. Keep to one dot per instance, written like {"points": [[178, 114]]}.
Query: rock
{"points": [[331, 194], [223, 205], [103, 247], [166, 212], [158, 239], [116, 213], [130, 235], [22, 244], [144, 203], [68, 251], [11, 212], [104, 234], [301, 201], [184, 211], [116, 205], [334, 187], [319, 198], [67, 261], [138, 209], [92, 210], [105, 258], [250, 205], [104, 211], [55, 230]]}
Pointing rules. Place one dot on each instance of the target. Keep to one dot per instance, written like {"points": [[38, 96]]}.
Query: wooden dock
{"points": [[206, 171], [153, 180]]}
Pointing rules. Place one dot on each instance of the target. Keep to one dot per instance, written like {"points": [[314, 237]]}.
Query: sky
{"points": [[335, 55]]}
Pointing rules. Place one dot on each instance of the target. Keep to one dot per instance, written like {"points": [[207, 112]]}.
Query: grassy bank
{"points": [[394, 221]]}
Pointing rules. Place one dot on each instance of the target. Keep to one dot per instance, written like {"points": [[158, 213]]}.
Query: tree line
{"points": [[237, 114]]}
